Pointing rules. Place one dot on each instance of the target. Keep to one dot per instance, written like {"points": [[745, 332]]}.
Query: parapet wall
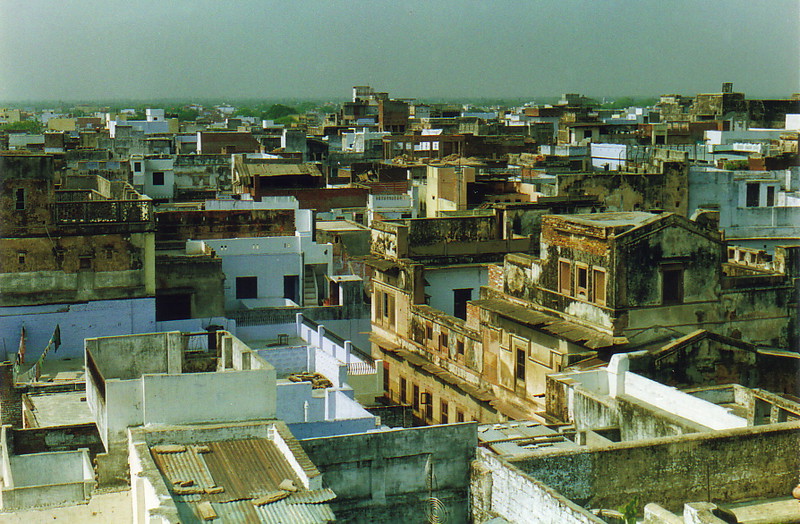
{"points": [[385, 476], [721, 466]]}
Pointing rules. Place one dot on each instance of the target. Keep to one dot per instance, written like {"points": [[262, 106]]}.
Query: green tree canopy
{"points": [[28, 126]]}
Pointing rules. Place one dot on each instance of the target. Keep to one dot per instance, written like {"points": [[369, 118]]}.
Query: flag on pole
{"points": [[56, 338], [22, 346]]}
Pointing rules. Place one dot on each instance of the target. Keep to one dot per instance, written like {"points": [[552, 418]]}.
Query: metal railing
{"points": [[103, 212]]}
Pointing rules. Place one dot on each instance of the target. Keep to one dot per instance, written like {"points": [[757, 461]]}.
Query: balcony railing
{"points": [[103, 212]]}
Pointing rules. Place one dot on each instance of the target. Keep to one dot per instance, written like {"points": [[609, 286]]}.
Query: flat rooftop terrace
{"points": [[60, 409]]}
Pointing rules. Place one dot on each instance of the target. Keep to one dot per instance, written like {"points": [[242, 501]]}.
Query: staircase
{"points": [[309, 288]]}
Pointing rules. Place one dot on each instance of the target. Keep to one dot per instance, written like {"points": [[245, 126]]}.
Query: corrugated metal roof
{"points": [[184, 467], [232, 474], [283, 512], [311, 497], [248, 468]]}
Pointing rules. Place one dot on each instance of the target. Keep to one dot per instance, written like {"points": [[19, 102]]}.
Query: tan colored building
{"points": [[601, 283], [84, 239]]}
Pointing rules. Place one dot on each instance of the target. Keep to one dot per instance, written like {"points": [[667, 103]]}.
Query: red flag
{"points": [[22, 346]]}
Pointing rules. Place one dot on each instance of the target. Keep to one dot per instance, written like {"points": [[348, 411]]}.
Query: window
{"points": [[158, 178], [582, 281], [386, 381], [444, 417], [460, 348], [599, 283], [428, 331], [21, 257], [564, 277], [378, 302], [770, 195], [173, 307], [384, 309], [752, 195], [443, 342], [520, 371], [246, 287], [672, 284], [459, 416], [85, 262], [403, 387], [137, 166], [427, 401], [19, 196], [460, 298], [415, 398]]}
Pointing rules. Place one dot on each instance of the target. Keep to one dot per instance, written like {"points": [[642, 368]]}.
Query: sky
{"points": [[292, 49]]}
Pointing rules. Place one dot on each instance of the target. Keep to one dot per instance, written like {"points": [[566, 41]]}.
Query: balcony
{"points": [[102, 212]]}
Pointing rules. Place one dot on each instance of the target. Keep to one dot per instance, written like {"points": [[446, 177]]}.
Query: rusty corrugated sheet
{"points": [[231, 474], [247, 468], [185, 466], [311, 497], [282, 512]]}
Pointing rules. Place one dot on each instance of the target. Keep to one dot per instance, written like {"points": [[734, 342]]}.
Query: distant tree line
{"points": [[24, 126]]}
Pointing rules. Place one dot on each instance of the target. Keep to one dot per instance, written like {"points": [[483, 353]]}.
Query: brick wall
{"points": [[496, 276], [499, 489], [10, 397], [57, 438]]}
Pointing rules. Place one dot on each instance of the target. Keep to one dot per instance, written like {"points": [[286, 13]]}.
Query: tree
{"points": [[27, 126]]}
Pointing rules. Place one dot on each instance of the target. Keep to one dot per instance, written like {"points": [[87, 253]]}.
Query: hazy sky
{"points": [[110, 49]]}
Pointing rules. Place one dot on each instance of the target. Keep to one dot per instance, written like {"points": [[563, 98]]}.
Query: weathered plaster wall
{"points": [[723, 466], [498, 489], [221, 394], [50, 269], [385, 476], [201, 225], [77, 322], [667, 191]]}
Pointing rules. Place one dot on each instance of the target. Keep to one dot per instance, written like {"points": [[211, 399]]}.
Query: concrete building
{"points": [[402, 475], [201, 177], [756, 209], [153, 125], [252, 471], [425, 272], [576, 299], [154, 175], [190, 282], [81, 257], [323, 380], [391, 207], [446, 188], [227, 142], [653, 296], [156, 378], [658, 184], [717, 452], [43, 479]]}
